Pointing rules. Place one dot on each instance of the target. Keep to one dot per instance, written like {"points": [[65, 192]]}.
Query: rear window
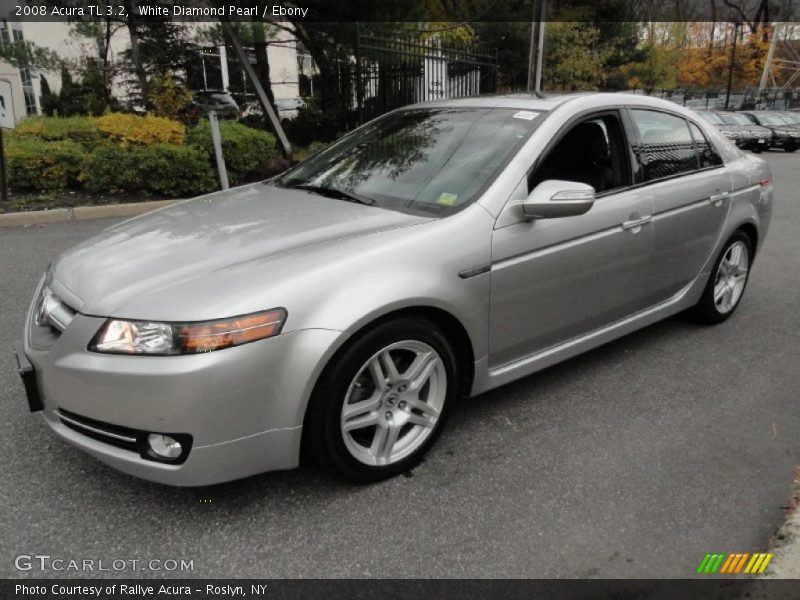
{"points": [[666, 147]]}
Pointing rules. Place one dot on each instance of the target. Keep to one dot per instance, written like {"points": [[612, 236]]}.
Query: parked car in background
{"points": [[437, 252], [220, 101], [751, 136], [741, 136], [288, 107], [785, 135], [791, 116]]}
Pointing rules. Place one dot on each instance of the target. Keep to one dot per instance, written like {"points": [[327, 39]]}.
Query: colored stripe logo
{"points": [[734, 563]]}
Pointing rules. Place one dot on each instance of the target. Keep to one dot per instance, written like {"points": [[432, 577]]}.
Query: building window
{"points": [[4, 38], [27, 91]]}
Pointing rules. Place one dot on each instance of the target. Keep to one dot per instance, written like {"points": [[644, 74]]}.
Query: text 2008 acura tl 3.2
{"points": [[439, 251]]}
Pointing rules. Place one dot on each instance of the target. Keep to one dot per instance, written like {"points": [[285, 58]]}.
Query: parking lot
{"points": [[633, 460]]}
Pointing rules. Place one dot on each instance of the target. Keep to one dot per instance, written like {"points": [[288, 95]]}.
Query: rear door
{"points": [[691, 196]]}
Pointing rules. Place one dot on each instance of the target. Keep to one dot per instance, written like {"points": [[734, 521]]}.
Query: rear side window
{"points": [[706, 153], [666, 147]]}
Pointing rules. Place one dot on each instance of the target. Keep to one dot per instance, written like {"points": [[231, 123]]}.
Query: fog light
{"points": [[164, 446]]}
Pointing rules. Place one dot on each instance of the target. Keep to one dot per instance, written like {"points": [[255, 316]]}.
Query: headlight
{"points": [[118, 336], [730, 134]]}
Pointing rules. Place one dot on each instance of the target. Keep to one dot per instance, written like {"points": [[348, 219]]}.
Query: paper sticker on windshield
{"points": [[447, 199], [525, 114]]}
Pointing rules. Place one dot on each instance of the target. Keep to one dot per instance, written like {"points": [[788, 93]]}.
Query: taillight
{"points": [[765, 182]]}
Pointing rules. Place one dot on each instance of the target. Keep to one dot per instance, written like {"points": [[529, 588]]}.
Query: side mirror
{"points": [[556, 198]]}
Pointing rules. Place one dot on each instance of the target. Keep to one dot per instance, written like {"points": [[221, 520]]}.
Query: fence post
{"points": [[217, 141], [359, 92]]}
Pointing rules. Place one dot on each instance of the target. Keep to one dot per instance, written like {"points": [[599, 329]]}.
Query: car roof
{"points": [[527, 101]]}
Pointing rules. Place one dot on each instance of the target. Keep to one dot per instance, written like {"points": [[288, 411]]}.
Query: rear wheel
{"points": [[382, 402], [728, 280], [790, 148]]}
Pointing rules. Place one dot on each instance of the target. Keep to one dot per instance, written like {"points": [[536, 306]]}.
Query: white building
{"points": [[282, 52]]}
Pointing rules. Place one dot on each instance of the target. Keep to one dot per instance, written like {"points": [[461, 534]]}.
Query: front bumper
{"points": [[243, 407], [783, 142], [753, 142]]}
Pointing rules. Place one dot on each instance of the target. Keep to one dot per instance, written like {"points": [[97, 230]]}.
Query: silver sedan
{"points": [[340, 310]]}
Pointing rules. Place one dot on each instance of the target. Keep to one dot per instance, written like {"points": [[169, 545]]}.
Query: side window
{"points": [[666, 147], [593, 151], [706, 152]]}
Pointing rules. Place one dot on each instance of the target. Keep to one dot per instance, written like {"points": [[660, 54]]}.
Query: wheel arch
{"points": [[750, 230], [453, 328]]}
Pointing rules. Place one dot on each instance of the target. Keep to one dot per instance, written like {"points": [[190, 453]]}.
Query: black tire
{"points": [[790, 148], [706, 310], [756, 150], [323, 438]]}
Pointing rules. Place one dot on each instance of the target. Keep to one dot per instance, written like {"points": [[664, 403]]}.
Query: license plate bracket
{"points": [[28, 374]]}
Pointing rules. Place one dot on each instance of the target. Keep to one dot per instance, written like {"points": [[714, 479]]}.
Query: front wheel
{"points": [[728, 280], [382, 401], [790, 148]]}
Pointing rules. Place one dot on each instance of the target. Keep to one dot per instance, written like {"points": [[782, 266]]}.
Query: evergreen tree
{"points": [[49, 100], [70, 98]]}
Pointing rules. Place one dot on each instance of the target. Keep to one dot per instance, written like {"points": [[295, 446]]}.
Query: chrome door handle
{"points": [[636, 224], [716, 199]]}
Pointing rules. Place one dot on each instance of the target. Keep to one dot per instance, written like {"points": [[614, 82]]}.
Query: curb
{"points": [[786, 546], [80, 213]]}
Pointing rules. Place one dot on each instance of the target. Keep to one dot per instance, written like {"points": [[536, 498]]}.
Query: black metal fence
{"points": [[393, 72], [749, 99]]}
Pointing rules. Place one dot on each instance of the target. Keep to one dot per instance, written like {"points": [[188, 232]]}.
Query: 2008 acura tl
{"points": [[436, 252]]}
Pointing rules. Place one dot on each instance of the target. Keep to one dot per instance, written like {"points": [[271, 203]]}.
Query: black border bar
{"points": [[397, 589]]}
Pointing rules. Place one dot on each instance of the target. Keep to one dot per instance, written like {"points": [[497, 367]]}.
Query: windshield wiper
{"points": [[330, 192]]}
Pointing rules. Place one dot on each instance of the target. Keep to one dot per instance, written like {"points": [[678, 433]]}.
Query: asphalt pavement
{"points": [[633, 460]]}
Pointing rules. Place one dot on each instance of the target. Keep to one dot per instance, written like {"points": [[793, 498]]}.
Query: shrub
{"points": [[119, 128], [112, 169], [34, 164], [163, 168], [315, 147], [312, 124], [133, 129], [169, 99], [245, 149], [79, 129], [177, 170]]}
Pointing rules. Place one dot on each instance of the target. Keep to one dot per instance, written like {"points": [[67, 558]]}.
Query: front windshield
{"points": [[771, 120], [791, 118], [712, 118], [430, 161], [734, 119]]}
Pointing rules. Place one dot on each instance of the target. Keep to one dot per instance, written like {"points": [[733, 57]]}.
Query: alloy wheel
{"points": [[394, 403], [731, 277]]}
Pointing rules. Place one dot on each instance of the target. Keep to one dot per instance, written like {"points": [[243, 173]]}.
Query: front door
{"points": [[555, 279]]}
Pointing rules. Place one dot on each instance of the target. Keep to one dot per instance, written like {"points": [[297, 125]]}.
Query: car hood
{"points": [[194, 239], [740, 128]]}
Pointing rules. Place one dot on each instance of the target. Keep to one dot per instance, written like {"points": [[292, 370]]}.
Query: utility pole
{"points": [[767, 72], [536, 48], [266, 106], [733, 60]]}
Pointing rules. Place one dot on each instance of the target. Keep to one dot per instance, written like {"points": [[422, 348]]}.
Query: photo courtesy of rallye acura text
{"points": [[339, 311]]}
